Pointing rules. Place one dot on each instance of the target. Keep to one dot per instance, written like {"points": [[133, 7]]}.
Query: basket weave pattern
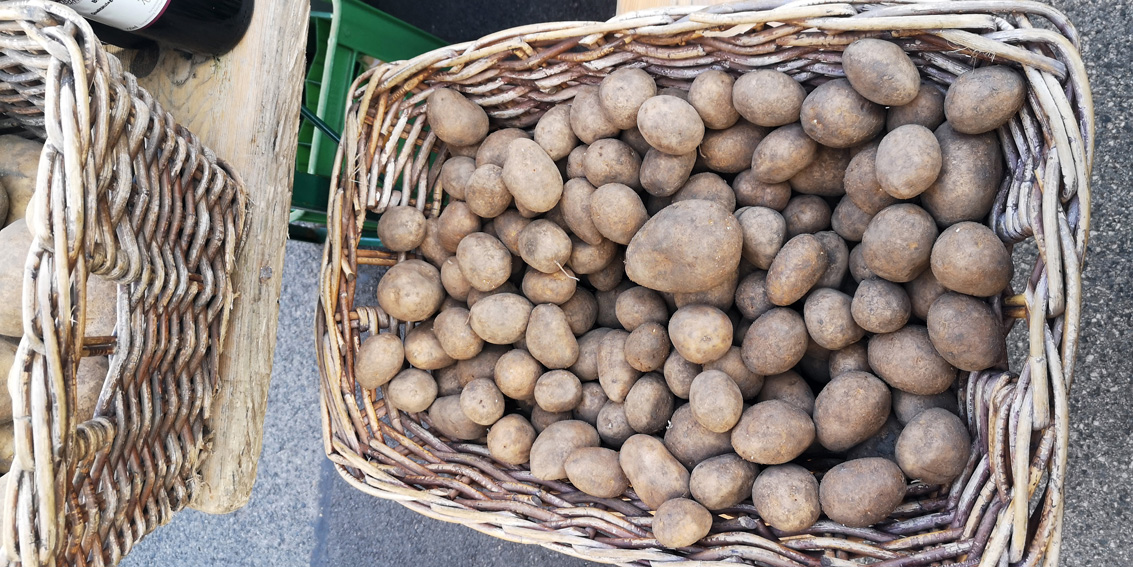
{"points": [[125, 193], [1008, 504]]}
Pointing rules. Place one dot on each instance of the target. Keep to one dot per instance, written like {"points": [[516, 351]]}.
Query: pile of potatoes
{"points": [[19, 164], [732, 280]]}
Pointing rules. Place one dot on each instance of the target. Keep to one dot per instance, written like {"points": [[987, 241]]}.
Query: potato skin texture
{"points": [[984, 99], [700, 333], [484, 261], [772, 433], [850, 409], [908, 161], [969, 258], [897, 245], [412, 390], [595, 471], [681, 522], [411, 291], [670, 124], [648, 404], [456, 120], [690, 443], [553, 132], [970, 173], [617, 212], [379, 359], [510, 440], [612, 425], [927, 109], [587, 118], [881, 306], [711, 95], [662, 257], [549, 338], [614, 372], [881, 71], [862, 492], [861, 184], [829, 320], [722, 482], [966, 332], [532, 176], [446, 416], [907, 361], [653, 472], [907, 406], [768, 98], [786, 497], [730, 150], [663, 174], [775, 342], [789, 387], [402, 228], [516, 373], [622, 93], [555, 443], [934, 447], [796, 269], [835, 115], [716, 401], [500, 319]]}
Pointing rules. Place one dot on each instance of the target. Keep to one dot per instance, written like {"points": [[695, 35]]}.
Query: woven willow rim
{"points": [[389, 157]]}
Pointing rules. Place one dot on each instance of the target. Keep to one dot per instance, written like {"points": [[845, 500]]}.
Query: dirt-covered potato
{"points": [[829, 320], [782, 154], [711, 95], [862, 492], [923, 292], [588, 260], [453, 280], [617, 212], [970, 173], [510, 440], [507, 228], [815, 364], [455, 222], [515, 374], [969, 258], [614, 372], [423, 350], [984, 99], [850, 359], [456, 335], [681, 522], [772, 433], [668, 254], [732, 364], [633, 137], [595, 471], [751, 192], [480, 366], [881, 306], [500, 319], [751, 295], [622, 93], [881, 71], [455, 174], [775, 342], [656, 476], [608, 299], [558, 391], [934, 447], [575, 159], [639, 305], [721, 297], [648, 404], [557, 287], [532, 176], [881, 444], [789, 387], [966, 332], [722, 482], [730, 150], [768, 98], [907, 406], [493, 150], [456, 120], [575, 206], [908, 161], [858, 268], [850, 409], [611, 161], [764, 232], [849, 221], [670, 124], [701, 333], [402, 228], [716, 401], [448, 418], [796, 269], [663, 174], [786, 497], [593, 400], [448, 383], [475, 295], [862, 186], [586, 367], [409, 291], [587, 119], [835, 115], [581, 311], [647, 347], [897, 245], [465, 151], [482, 402], [541, 419], [690, 442], [826, 173], [907, 360], [485, 193], [612, 425], [806, 214], [379, 359], [412, 390], [553, 132], [549, 338], [484, 261], [545, 246], [926, 109], [679, 374], [555, 443], [838, 256]]}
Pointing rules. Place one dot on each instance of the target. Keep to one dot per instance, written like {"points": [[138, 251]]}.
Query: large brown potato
{"points": [[969, 258], [595, 471], [670, 124], [772, 433], [881, 71], [656, 476], [711, 95], [722, 482], [970, 173], [984, 99], [907, 360], [688, 247], [690, 442], [409, 291], [510, 440], [775, 342], [966, 332], [532, 176], [701, 333], [622, 93], [729, 150], [908, 161], [934, 447], [553, 132], [681, 522], [897, 245], [835, 115], [768, 98], [850, 409], [617, 212], [927, 109], [786, 497], [796, 269], [862, 492], [555, 443], [500, 319], [789, 387], [484, 261], [456, 120]]}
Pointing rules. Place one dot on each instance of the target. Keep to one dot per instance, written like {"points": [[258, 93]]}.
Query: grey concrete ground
{"points": [[301, 513]]}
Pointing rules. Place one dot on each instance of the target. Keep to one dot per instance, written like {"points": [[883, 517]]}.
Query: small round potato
{"points": [[447, 417], [575, 207], [862, 492], [663, 174], [772, 433], [549, 338], [456, 222], [668, 256], [411, 291], [849, 221], [670, 124], [701, 333], [553, 132], [617, 212], [587, 119], [588, 260], [835, 115], [595, 471], [751, 295], [412, 390], [516, 373], [486, 194], [679, 374], [862, 186], [622, 93], [838, 255], [764, 233], [908, 161], [581, 311], [612, 425], [751, 192], [730, 150], [789, 387], [423, 350], [586, 367], [850, 409], [807, 214], [969, 258], [782, 154], [711, 95], [970, 173], [881, 71], [508, 226], [500, 319], [923, 292], [722, 482], [984, 99], [493, 150], [639, 305], [709, 187], [558, 391], [656, 476], [532, 176], [482, 401], [556, 287], [768, 98], [614, 372], [897, 245], [647, 347], [690, 442], [825, 175], [716, 401], [927, 109], [829, 320], [966, 332], [732, 364], [593, 400], [681, 522], [797, 268], [402, 228], [555, 443], [456, 335], [611, 161], [934, 447], [786, 497], [881, 306], [775, 342], [649, 404], [378, 360], [510, 440], [850, 359], [456, 120], [907, 406], [484, 261], [908, 362], [455, 174], [545, 246]]}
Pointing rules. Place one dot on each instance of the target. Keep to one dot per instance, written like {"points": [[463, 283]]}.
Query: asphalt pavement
{"points": [[302, 513]]}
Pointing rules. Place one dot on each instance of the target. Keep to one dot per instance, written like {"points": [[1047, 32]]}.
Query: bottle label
{"points": [[127, 15]]}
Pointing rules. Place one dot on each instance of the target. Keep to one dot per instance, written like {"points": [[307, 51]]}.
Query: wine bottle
{"points": [[209, 27]]}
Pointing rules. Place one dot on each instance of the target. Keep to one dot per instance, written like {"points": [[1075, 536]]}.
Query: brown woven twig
{"points": [[125, 193], [1019, 421]]}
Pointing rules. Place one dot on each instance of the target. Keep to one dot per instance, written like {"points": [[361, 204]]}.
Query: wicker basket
{"points": [[1019, 420], [125, 193]]}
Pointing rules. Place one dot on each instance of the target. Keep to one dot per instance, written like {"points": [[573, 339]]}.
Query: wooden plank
{"points": [[245, 106], [635, 5]]}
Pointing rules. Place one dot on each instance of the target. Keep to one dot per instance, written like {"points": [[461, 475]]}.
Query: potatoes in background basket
{"points": [[803, 264]]}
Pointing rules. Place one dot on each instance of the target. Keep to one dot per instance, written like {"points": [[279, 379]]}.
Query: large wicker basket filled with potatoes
{"points": [[721, 285], [119, 234]]}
